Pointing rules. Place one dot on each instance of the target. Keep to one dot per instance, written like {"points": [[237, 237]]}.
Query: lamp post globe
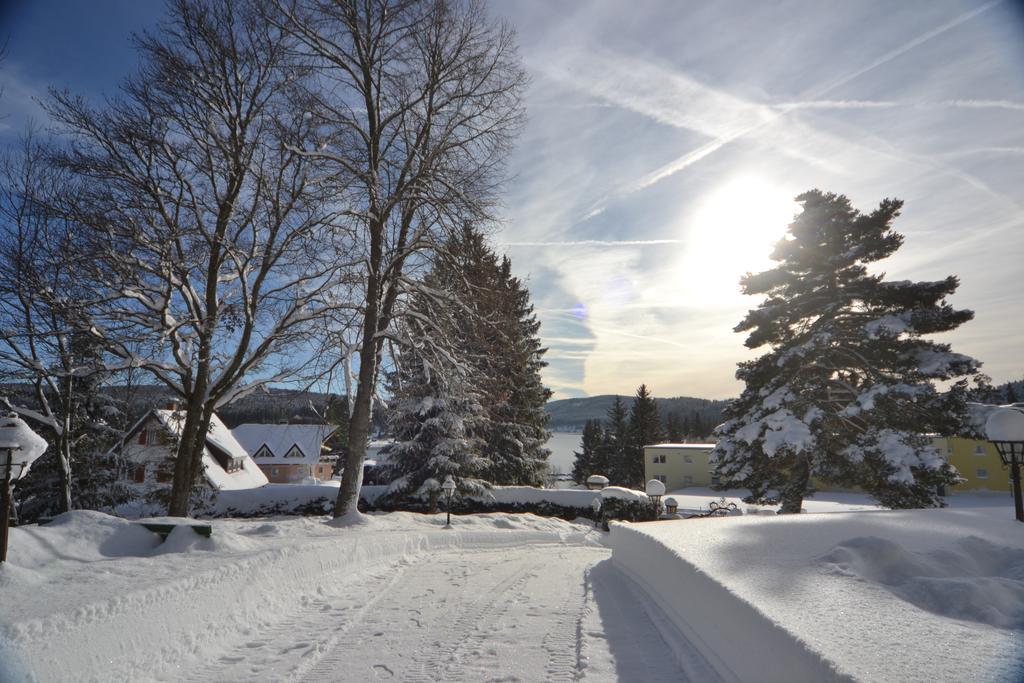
{"points": [[449, 488], [19, 448], [1005, 429]]}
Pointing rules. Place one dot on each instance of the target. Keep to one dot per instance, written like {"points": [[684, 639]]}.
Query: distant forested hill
{"points": [[277, 405], [570, 414]]}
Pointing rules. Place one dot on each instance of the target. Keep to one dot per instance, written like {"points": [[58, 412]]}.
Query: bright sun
{"points": [[733, 232]]}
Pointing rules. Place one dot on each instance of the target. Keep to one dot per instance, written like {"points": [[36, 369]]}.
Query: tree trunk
{"points": [[792, 494], [64, 456], [184, 474], [359, 424]]}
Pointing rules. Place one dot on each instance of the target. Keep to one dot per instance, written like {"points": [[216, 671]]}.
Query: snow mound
{"points": [[979, 581], [83, 536]]}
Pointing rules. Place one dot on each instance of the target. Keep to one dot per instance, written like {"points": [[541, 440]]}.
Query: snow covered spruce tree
{"points": [[433, 419], [206, 225], [614, 442], [846, 393], [419, 104], [499, 350], [588, 458], [502, 346]]}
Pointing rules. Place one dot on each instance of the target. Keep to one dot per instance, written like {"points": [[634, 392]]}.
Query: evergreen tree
{"points": [[1011, 395], [845, 394], [501, 348], [433, 420], [614, 443], [515, 395], [674, 430], [588, 459], [644, 430]]}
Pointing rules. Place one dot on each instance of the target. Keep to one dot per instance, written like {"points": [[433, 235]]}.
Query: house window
{"points": [[687, 479], [264, 452], [140, 474], [660, 477], [688, 458], [981, 473], [273, 471], [715, 480], [164, 474], [294, 452], [143, 437], [979, 450], [659, 459]]}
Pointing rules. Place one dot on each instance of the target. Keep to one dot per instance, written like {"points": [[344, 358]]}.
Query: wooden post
{"points": [[5, 503]]}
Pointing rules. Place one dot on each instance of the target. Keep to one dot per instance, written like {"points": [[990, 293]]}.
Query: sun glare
{"points": [[731, 233]]}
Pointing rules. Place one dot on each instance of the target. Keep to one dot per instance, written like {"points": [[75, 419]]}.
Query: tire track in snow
{"points": [[413, 635], [319, 623]]}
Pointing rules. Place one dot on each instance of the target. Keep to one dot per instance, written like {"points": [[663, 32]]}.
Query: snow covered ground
{"points": [[921, 595], [496, 597], [932, 595]]}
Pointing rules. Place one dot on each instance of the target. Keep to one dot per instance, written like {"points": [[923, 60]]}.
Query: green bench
{"points": [[163, 530]]}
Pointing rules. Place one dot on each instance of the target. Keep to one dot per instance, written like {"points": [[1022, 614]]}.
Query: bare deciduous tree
{"points": [[209, 225], [416, 105], [41, 346]]}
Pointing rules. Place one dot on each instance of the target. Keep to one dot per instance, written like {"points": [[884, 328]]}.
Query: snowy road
{"points": [[530, 613]]}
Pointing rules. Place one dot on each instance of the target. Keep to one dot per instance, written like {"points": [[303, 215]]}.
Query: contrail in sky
{"points": [[592, 243], [720, 141]]}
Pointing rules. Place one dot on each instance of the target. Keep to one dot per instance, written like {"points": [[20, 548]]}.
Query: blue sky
{"points": [[665, 143]]}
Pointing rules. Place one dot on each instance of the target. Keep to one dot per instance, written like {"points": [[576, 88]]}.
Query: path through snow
{"points": [[531, 613]]}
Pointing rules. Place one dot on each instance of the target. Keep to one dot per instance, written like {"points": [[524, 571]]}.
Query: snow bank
{"points": [[319, 498], [276, 499], [918, 595], [120, 606]]}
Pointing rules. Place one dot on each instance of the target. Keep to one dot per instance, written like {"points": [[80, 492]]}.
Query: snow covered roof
{"points": [[219, 437], [283, 444], [696, 446]]}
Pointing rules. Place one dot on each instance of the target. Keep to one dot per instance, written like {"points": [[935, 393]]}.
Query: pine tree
{"points": [[433, 420], [644, 430], [515, 396], [588, 459], [1011, 395], [484, 312], [501, 347], [674, 430], [615, 443], [845, 394]]}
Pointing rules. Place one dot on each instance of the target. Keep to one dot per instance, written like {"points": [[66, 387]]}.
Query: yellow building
{"points": [[678, 465], [977, 462]]}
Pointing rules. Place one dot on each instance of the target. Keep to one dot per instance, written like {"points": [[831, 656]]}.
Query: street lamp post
{"points": [[19, 448], [449, 488], [655, 490], [1005, 429]]}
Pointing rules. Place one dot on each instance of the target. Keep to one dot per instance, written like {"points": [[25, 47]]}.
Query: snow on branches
{"points": [[847, 390]]}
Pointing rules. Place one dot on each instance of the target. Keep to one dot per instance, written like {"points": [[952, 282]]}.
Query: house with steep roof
{"points": [[148, 447], [288, 453]]}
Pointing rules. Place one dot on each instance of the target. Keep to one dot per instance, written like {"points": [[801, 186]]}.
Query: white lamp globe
{"points": [[655, 488], [1005, 424], [19, 443]]}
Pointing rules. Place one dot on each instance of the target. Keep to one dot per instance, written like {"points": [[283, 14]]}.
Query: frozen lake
{"points": [[563, 446]]}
